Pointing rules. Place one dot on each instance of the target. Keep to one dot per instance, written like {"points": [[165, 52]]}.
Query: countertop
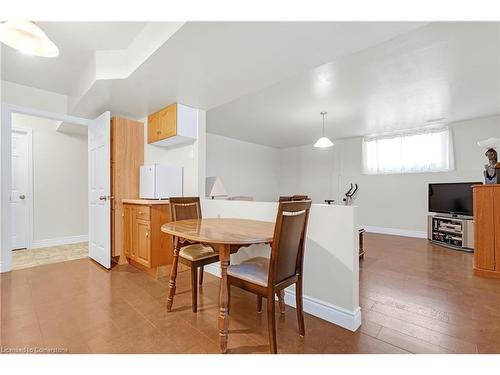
{"points": [[145, 201]]}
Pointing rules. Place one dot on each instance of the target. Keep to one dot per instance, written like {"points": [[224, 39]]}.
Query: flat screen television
{"points": [[451, 198]]}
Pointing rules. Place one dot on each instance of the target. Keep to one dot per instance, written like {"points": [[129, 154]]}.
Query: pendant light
{"points": [[28, 38], [323, 142]]}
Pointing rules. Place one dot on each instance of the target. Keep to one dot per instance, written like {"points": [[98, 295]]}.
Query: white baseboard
{"points": [[395, 231], [59, 241], [347, 319], [350, 320]]}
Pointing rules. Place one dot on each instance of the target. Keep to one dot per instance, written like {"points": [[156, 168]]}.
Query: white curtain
{"points": [[423, 151]]}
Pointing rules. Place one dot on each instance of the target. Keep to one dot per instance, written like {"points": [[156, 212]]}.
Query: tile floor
{"points": [[27, 258]]}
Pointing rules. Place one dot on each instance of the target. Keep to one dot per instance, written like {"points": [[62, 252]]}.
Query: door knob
{"points": [[103, 198], [22, 196]]}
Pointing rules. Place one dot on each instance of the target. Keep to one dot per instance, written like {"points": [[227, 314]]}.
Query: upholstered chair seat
{"points": [[268, 277], [254, 270], [197, 252]]}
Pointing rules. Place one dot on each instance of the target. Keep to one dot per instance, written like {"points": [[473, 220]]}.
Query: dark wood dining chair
{"points": [[293, 198], [192, 254], [266, 277]]}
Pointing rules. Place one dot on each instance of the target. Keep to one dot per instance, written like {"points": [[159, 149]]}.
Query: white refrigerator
{"points": [[160, 181]]}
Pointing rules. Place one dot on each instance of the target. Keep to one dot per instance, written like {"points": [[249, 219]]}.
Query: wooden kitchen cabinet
{"points": [[162, 124], [128, 211], [145, 245], [141, 242], [487, 230], [127, 156], [173, 125]]}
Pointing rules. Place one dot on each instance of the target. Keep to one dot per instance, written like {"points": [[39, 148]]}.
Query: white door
{"points": [[99, 166], [20, 188]]}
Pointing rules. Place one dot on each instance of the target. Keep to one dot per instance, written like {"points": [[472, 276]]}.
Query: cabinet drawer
{"points": [[143, 213]]}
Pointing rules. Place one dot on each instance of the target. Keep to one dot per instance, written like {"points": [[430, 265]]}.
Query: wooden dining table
{"points": [[225, 236]]}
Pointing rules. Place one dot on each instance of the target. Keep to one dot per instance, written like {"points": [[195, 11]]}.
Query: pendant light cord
{"points": [[323, 126], [323, 114]]}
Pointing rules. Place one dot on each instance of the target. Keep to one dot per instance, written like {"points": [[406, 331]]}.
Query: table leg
{"points": [[224, 253], [173, 274]]}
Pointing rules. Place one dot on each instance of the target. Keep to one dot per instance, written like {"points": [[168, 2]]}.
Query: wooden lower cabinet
{"points": [[487, 230], [128, 211], [144, 244]]}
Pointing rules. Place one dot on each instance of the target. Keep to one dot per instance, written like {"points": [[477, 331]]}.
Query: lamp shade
{"points": [[214, 187], [489, 143], [28, 38], [323, 142]]}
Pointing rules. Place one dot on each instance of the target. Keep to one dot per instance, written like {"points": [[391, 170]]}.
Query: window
{"points": [[428, 150]]}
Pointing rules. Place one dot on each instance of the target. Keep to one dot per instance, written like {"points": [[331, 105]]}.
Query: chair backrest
{"points": [[293, 198], [183, 208], [287, 253]]}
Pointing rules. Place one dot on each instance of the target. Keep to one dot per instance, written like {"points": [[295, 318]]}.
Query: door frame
{"points": [[6, 168], [29, 189]]}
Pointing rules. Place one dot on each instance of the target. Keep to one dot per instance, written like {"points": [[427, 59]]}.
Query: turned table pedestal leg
{"points": [[173, 275], [224, 253]]}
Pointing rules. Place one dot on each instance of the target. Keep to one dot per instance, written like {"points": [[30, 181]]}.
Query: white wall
{"points": [[1, 185], [13, 93], [244, 168], [309, 171], [191, 157], [396, 202], [59, 181], [331, 258], [391, 203]]}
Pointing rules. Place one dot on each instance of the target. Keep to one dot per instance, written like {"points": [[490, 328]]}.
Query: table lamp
{"points": [[214, 188]]}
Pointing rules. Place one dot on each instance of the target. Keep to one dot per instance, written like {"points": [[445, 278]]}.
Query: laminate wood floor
{"points": [[415, 298]]}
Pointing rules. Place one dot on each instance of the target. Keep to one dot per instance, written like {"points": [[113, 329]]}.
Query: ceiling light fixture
{"points": [[28, 38], [489, 143], [323, 142]]}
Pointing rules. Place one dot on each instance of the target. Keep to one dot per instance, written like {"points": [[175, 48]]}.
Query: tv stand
{"points": [[452, 232]]}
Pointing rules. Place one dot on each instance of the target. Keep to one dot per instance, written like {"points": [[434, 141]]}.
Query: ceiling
{"points": [[207, 64], [77, 42], [267, 82], [447, 71]]}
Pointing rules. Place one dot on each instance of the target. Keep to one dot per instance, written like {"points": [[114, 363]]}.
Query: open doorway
{"points": [[49, 200], [98, 186]]}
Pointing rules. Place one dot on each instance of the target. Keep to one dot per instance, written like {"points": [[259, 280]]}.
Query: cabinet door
{"points": [[143, 242], [496, 214], [154, 131], [484, 248], [168, 121], [127, 229], [162, 124], [117, 232]]}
